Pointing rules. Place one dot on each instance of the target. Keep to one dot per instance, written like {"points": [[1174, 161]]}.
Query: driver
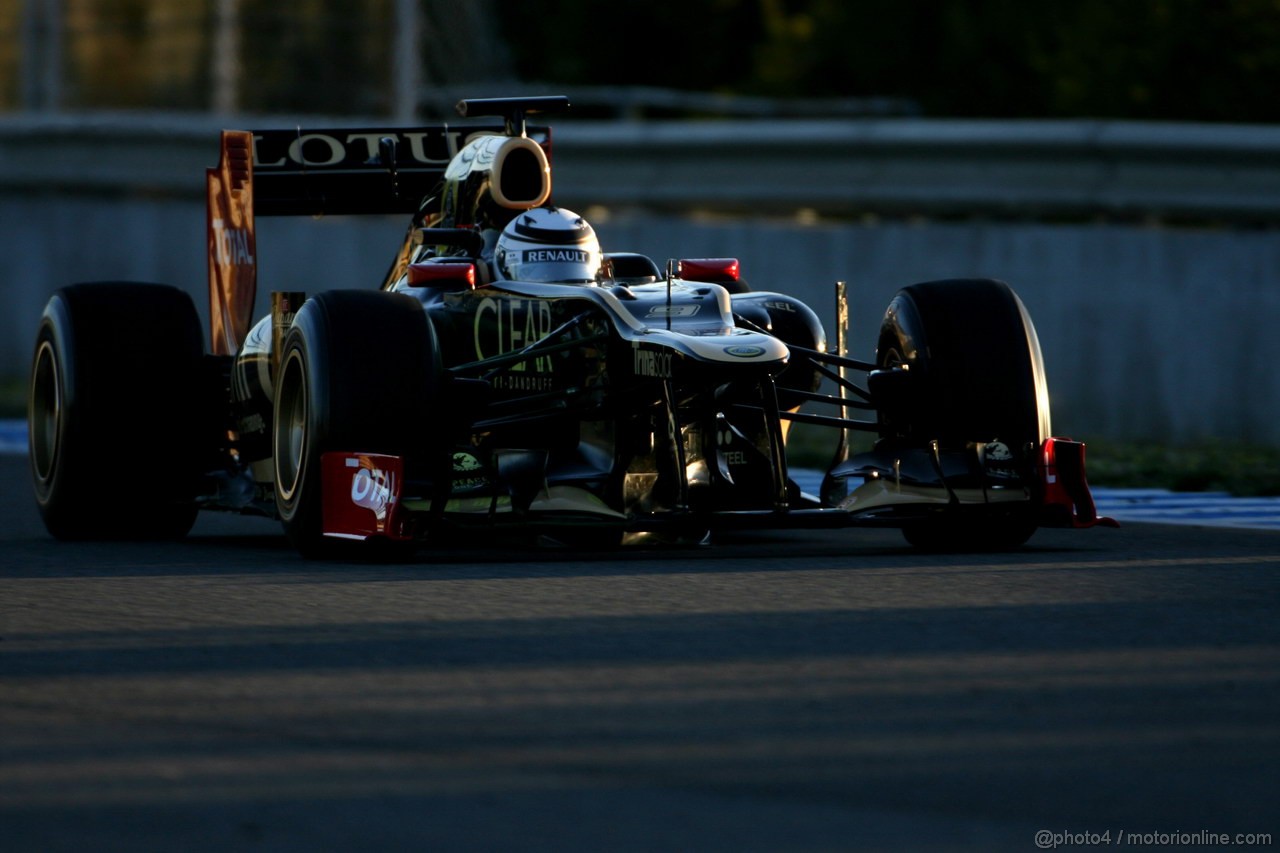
{"points": [[548, 244]]}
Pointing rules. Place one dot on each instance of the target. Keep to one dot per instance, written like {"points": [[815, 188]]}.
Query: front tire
{"points": [[979, 377], [360, 372], [116, 412]]}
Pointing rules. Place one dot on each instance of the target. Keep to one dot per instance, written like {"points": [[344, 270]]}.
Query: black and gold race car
{"points": [[509, 375]]}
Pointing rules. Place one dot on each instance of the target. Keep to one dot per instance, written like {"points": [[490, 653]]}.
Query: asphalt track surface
{"points": [[777, 691]]}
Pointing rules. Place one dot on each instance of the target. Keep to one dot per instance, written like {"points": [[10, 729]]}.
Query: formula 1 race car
{"points": [[508, 375]]}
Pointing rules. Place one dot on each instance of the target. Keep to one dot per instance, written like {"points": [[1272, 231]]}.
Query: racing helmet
{"points": [[548, 244]]}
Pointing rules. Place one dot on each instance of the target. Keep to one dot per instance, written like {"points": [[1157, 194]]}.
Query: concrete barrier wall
{"points": [[1148, 330]]}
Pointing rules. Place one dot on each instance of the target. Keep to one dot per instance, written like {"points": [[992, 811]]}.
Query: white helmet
{"points": [[548, 244]]}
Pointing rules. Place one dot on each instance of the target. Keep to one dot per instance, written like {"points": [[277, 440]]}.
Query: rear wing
{"points": [[352, 170], [345, 171]]}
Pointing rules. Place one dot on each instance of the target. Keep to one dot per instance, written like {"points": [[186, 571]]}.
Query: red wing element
{"points": [[233, 271], [1067, 500], [361, 496]]}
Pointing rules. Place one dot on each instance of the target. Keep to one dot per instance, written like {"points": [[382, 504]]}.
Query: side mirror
{"points": [[451, 276], [710, 270]]}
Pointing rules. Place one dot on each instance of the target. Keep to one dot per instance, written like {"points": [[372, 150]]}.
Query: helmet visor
{"points": [[567, 264]]}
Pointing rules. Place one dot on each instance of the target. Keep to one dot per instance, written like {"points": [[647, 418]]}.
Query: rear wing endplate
{"points": [[232, 249]]}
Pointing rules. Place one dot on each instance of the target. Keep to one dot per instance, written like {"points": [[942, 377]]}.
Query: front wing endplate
{"points": [[362, 496]]}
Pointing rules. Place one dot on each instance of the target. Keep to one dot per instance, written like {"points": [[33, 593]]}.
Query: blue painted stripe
{"points": [[13, 436], [1215, 509], [1205, 508]]}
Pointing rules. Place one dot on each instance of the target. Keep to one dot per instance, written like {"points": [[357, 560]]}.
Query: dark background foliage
{"points": [[1207, 60], [1195, 60]]}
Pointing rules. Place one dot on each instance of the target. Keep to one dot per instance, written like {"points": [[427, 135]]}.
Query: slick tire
{"points": [[974, 352], [116, 412], [359, 371]]}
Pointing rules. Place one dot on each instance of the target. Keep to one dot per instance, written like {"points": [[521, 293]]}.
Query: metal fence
{"points": [[1026, 170]]}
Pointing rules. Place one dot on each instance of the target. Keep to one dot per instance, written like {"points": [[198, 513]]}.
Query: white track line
{"points": [[1210, 509]]}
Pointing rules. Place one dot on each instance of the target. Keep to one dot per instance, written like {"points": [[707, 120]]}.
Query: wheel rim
{"points": [[290, 426], [46, 412]]}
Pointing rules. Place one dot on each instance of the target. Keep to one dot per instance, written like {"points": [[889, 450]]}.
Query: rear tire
{"points": [[116, 412], [980, 374], [360, 372]]}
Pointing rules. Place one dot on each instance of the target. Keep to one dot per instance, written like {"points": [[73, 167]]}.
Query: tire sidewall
{"points": [[304, 362], [52, 489]]}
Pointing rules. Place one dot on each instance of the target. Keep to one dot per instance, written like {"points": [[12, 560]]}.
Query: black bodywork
{"points": [[651, 406]]}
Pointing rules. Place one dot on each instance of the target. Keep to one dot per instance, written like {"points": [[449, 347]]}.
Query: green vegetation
{"points": [[1195, 60], [1216, 466], [13, 397]]}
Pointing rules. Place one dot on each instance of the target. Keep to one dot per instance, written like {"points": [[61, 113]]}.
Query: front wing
{"points": [[365, 497]]}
